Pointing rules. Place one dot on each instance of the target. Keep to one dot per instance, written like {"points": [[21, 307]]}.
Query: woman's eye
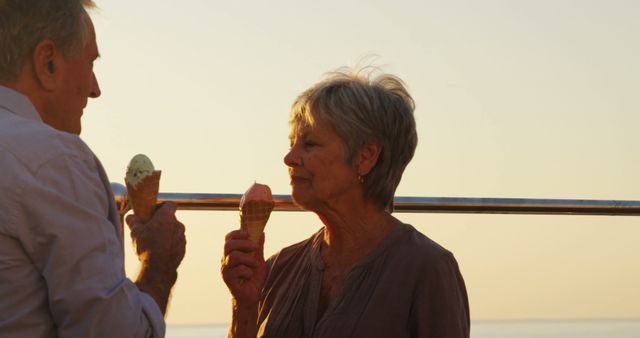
{"points": [[309, 144]]}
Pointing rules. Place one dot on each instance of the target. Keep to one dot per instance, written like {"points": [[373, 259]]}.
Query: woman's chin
{"points": [[297, 199], [302, 200]]}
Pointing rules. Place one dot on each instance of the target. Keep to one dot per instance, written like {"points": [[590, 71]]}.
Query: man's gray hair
{"points": [[363, 109], [25, 23]]}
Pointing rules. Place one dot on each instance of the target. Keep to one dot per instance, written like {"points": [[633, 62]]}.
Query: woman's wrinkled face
{"points": [[320, 175]]}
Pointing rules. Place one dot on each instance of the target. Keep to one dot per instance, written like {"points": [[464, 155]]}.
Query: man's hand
{"points": [[160, 246]]}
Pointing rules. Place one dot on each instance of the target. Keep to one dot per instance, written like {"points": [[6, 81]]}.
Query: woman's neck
{"points": [[351, 233]]}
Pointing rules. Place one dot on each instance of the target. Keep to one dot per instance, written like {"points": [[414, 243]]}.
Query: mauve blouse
{"points": [[409, 286]]}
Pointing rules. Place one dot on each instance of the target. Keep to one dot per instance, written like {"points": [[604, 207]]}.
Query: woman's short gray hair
{"points": [[25, 23], [363, 109]]}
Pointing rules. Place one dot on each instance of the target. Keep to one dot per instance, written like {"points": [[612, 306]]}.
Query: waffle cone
{"points": [[144, 196], [254, 216]]}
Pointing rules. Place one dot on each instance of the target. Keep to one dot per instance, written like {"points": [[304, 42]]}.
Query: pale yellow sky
{"points": [[522, 98]]}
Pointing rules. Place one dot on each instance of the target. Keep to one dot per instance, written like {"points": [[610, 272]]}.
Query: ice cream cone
{"points": [[254, 216], [144, 196]]}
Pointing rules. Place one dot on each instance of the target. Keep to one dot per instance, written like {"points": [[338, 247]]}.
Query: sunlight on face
{"points": [[319, 174], [78, 84]]}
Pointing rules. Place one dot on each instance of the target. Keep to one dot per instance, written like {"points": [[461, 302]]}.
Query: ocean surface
{"points": [[485, 329]]}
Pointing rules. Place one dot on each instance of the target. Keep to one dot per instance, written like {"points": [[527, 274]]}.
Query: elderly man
{"points": [[61, 250]]}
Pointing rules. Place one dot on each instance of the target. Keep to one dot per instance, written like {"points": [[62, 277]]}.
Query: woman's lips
{"points": [[296, 179]]}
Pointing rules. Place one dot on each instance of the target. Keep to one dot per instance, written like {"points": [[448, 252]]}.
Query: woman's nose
{"points": [[291, 158]]}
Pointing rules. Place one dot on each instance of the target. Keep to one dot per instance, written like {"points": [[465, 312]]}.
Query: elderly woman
{"points": [[365, 273]]}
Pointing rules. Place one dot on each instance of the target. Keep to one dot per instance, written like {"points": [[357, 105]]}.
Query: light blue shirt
{"points": [[61, 250]]}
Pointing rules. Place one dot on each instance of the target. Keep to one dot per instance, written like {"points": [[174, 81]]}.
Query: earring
{"points": [[360, 179]]}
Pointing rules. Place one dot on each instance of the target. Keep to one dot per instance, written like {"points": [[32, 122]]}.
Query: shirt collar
{"points": [[15, 102]]}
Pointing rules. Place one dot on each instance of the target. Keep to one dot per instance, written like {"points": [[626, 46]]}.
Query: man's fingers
{"points": [[133, 221], [166, 210]]}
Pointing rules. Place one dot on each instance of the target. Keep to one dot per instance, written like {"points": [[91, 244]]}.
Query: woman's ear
{"points": [[367, 158], [46, 58]]}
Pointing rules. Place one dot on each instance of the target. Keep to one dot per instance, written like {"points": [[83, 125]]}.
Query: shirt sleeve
{"points": [[441, 305], [63, 225]]}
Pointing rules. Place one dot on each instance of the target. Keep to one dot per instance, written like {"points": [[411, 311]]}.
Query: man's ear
{"points": [[367, 158], [46, 59]]}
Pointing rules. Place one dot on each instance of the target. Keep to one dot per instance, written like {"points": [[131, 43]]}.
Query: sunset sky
{"points": [[523, 98]]}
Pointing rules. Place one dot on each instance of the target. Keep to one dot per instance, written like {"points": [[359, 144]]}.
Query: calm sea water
{"points": [[485, 329]]}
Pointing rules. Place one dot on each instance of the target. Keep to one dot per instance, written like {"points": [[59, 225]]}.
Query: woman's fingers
{"points": [[237, 234], [242, 272], [236, 258], [243, 245], [242, 265]]}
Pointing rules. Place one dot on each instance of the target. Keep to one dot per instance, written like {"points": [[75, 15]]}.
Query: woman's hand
{"points": [[243, 268]]}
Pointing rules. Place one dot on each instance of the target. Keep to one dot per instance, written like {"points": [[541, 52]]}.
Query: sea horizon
{"points": [[482, 328], [596, 319]]}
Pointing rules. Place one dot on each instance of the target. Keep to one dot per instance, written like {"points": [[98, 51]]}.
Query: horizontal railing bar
{"points": [[197, 201]]}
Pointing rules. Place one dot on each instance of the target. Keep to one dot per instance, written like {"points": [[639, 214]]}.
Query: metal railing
{"points": [[191, 201]]}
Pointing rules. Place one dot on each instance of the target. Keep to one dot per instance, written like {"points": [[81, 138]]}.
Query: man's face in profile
{"points": [[78, 83]]}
